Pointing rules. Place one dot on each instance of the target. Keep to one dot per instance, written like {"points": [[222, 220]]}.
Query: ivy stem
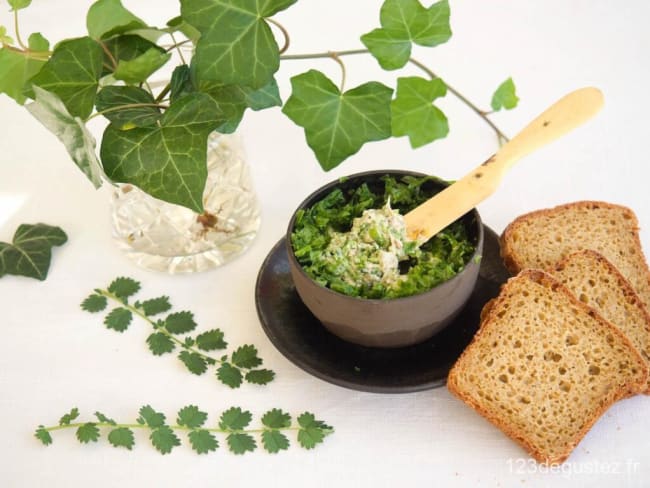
{"points": [[216, 430], [285, 34], [163, 93], [128, 105], [330, 54], [336, 58], [178, 49], [162, 330], [17, 31], [177, 45], [109, 54]]}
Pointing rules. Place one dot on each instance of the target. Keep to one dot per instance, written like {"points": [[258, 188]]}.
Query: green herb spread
{"points": [[354, 241]]}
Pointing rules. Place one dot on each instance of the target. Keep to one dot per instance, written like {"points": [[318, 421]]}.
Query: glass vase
{"points": [[161, 236]]}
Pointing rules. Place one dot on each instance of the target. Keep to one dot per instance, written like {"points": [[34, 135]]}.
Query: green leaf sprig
{"points": [[170, 333], [228, 59], [233, 425]]}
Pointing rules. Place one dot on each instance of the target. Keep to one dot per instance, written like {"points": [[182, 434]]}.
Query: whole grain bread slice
{"points": [[597, 282], [544, 366], [543, 238]]}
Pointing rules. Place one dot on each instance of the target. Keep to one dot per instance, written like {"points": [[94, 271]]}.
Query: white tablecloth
{"points": [[53, 356]]}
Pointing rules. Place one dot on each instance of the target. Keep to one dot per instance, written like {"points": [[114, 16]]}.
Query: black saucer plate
{"points": [[301, 338]]}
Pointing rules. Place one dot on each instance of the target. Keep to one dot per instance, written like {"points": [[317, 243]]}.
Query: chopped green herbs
{"points": [[436, 261]]}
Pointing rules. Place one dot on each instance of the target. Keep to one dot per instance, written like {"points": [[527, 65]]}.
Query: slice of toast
{"points": [[543, 238], [544, 366], [596, 282]]}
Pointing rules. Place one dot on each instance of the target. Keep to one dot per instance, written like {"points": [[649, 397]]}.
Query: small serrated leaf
{"points": [[118, 319], [191, 416], [43, 435], [180, 322], [160, 343], [123, 287], [164, 439], [103, 418], [194, 362], [276, 419], [87, 432], [260, 376], [69, 417], [211, 340], [151, 417], [312, 431], [241, 443], [246, 357], [235, 419], [229, 375], [155, 306], [202, 441], [274, 441], [94, 303], [121, 437]]}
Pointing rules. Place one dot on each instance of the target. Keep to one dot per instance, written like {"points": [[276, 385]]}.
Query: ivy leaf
{"points": [[43, 435], [155, 306], [4, 38], [140, 68], [312, 431], [107, 18], [246, 357], [203, 441], [180, 83], [125, 47], [31, 251], [191, 416], [178, 24], [265, 97], [241, 443], [37, 42], [19, 4], [113, 97], [72, 74], [194, 362], [121, 437], [237, 45], [180, 322], [229, 375], [71, 131], [413, 112], [164, 439], [276, 419], [404, 22], [235, 419], [94, 303], [88, 432], [16, 68], [337, 124], [152, 418], [260, 376], [274, 441], [118, 319], [123, 287], [160, 344], [104, 419], [211, 340], [168, 162], [69, 417], [505, 96]]}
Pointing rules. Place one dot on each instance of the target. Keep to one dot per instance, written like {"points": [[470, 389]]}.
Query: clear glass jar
{"points": [[165, 237]]}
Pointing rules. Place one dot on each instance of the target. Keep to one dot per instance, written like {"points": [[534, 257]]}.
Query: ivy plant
{"points": [[228, 59]]}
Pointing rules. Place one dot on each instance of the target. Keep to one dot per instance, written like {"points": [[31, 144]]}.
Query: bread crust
{"points": [[509, 255], [547, 281]]}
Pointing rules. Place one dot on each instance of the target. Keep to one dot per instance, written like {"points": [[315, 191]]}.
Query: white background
{"points": [[54, 356]]}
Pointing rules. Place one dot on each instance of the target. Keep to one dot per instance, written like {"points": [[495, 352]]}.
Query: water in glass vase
{"points": [[164, 237]]}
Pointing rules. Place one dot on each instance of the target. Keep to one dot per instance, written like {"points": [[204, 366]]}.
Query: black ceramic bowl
{"points": [[387, 322]]}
